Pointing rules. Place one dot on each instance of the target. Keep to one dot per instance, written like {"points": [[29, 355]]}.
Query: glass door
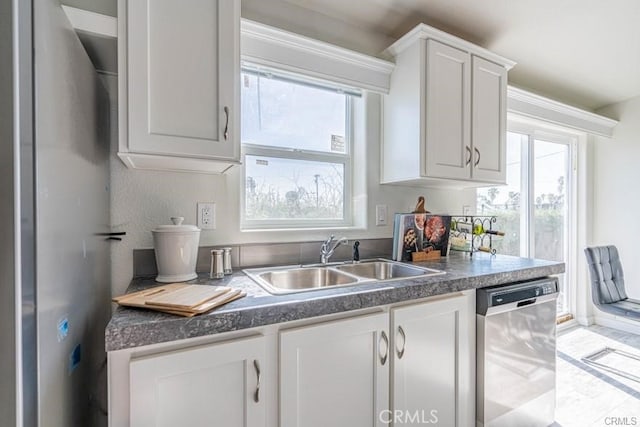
{"points": [[551, 166], [535, 207]]}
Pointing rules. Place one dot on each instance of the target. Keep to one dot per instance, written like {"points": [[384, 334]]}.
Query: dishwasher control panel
{"points": [[523, 293], [549, 288]]}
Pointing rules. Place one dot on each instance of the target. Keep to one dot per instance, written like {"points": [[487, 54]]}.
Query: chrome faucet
{"points": [[326, 250]]}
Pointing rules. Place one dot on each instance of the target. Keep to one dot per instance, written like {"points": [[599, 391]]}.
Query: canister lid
{"points": [[176, 227]]}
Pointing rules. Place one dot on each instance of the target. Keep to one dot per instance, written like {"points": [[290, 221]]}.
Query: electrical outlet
{"points": [[381, 215], [206, 216]]}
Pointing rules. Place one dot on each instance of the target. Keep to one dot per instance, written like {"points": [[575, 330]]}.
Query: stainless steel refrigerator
{"points": [[54, 203]]}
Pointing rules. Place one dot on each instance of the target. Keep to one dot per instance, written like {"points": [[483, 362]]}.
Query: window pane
{"points": [[288, 115], [551, 166], [278, 189], [504, 201]]}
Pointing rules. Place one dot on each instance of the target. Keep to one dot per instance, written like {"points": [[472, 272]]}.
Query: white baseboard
{"points": [[586, 320], [619, 323], [567, 325]]}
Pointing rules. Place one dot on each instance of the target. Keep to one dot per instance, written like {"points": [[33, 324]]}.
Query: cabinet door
{"points": [[447, 124], [213, 385], [432, 367], [489, 117], [183, 77], [335, 374]]}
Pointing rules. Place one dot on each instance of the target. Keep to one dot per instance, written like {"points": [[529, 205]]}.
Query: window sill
{"points": [[308, 229]]}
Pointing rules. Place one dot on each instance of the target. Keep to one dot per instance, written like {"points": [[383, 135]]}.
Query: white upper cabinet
{"points": [[445, 114], [179, 66], [447, 111], [488, 121]]}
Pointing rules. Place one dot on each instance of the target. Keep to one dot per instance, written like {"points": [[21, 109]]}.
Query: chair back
{"points": [[607, 278]]}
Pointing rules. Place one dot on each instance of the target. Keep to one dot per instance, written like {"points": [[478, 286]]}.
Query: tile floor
{"points": [[589, 396]]}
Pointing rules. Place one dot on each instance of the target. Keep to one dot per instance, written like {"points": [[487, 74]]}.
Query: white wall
{"points": [[616, 194], [141, 200], [291, 17]]}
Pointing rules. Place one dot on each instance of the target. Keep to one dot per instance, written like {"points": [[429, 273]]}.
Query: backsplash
{"points": [[263, 254]]}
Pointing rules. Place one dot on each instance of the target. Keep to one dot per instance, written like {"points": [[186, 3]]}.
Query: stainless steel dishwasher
{"points": [[516, 354]]}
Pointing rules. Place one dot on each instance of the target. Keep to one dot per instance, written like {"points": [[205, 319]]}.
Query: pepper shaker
{"points": [[356, 252], [217, 264], [227, 261]]}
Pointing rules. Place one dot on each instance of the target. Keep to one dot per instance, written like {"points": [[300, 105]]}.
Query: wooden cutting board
{"points": [[180, 298], [142, 295], [209, 305], [186, 297]]}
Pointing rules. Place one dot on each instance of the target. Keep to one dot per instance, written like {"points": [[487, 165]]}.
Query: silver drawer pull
{"points": [[256, 395], [477, 156], [383, 358], [400, 352], [226, 125], [468, 158]]}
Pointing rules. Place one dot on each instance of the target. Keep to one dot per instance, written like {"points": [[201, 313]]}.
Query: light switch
{"points": [[381, 215]]}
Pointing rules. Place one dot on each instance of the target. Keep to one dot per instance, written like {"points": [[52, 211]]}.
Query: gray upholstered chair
{"points": [[607, 283]]}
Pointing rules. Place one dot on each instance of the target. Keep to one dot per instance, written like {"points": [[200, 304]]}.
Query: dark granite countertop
{"points": [[131, 327]]}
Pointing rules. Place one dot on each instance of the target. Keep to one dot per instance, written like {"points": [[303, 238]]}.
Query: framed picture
{"points": [[420, 233]]}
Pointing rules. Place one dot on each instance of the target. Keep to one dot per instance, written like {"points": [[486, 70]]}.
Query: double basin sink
{"points": [[290, 279]]}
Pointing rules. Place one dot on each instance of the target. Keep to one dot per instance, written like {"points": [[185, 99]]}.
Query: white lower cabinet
{"points": [[335, 374], [432, 368], [347, 373], [409, 364], [212, 385]]}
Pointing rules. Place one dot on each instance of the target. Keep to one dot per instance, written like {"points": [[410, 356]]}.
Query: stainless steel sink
{"points": [[298, 279], [385, 270], [290, 279]]}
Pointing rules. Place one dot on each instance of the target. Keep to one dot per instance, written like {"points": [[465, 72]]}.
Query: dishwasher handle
{"points": [[526, 302]]}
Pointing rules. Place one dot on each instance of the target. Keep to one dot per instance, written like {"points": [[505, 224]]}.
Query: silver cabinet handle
{"points": [[226, 125], [383, 358], [468, 158], [477, 157], [400, 352], [256, 395]]}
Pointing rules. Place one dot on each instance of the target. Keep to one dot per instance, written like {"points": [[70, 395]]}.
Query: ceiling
{"points": [[581, 52]]}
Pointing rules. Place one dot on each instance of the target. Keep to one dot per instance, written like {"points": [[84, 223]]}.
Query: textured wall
{"points": [[615, 191], [141, 200]]}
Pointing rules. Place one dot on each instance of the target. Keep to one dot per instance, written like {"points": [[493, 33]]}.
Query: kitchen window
{"points": [[297, 151], [536, 209]]}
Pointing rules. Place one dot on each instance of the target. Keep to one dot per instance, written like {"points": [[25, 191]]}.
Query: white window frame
{"points": [[346, 159], [533, 131]]}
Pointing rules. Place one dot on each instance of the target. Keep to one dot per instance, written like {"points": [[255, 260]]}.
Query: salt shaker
{"points": [[227, 260], [217, 264]]}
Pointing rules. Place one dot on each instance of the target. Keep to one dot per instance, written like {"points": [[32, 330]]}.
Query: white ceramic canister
{"points": [[176, 248]]}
